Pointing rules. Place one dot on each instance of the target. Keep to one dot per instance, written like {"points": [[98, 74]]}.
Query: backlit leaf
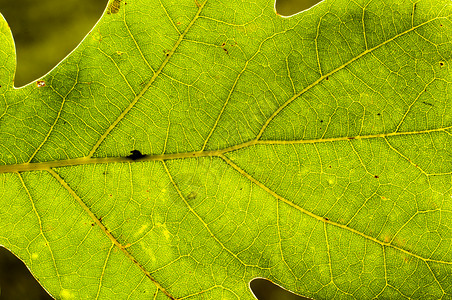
{"points": [[187, 147]]}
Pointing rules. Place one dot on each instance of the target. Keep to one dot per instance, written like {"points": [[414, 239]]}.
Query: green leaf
{"points": [[314, 151]]}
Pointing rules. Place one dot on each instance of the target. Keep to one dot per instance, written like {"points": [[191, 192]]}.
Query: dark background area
{"points": [[45, 31]]}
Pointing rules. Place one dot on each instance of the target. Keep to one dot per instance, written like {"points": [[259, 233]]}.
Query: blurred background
{"points": [[45, 31]]}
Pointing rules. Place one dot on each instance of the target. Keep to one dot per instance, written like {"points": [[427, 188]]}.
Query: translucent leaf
{"points": [[186, 147]]}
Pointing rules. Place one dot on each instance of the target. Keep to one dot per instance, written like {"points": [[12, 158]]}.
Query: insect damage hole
{"points": [[136, 154]]}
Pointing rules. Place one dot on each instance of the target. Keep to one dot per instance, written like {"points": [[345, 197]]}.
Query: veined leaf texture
{"points": [[187, 147]]}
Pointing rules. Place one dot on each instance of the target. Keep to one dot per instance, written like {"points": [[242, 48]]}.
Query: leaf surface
{"points": [[313, 150]]}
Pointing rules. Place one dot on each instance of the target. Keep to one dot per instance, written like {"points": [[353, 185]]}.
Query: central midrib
{"points": [[41, 166]]}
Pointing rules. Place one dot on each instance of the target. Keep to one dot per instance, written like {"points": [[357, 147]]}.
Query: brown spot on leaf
{"points": [[114, 7], [40, 83], [223, 47]]}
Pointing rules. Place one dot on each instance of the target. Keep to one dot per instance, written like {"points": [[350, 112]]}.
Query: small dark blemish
{"points": [[329, 166], [326, 219], [321, 121], [100, 219], [40, 83], [92, 224], [192, 195], [378, 114], [135, 155], [440, 63], [327, 78], [114, 7], [426, 103], [351, 138], [223, 47], [376, 176]]}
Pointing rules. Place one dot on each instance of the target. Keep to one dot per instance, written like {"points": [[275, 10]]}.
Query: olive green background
{"points": [[45, 32]]}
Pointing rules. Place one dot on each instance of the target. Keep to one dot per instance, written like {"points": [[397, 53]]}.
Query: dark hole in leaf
{"points": [[136, 154], [264, 289]]}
